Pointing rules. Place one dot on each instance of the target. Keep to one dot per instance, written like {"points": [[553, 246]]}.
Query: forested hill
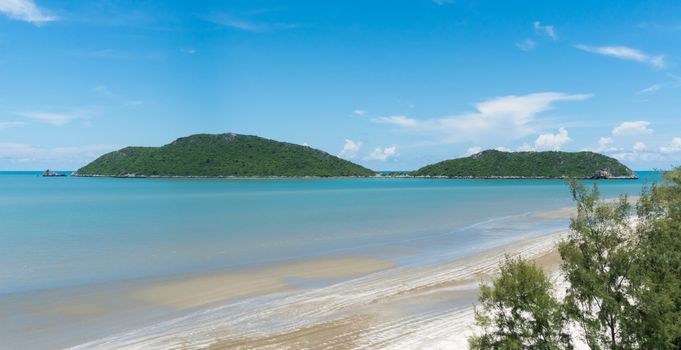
{"points": [[551, 164], [207, 155]]}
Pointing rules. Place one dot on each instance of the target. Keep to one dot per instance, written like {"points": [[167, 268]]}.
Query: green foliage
{"points": [[597, 261], [222, 155], [492, 163], [657, 274], [519, 311], [623, 269]]}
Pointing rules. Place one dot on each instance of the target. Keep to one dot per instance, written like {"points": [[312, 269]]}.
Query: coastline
{"points": [[378, 176], [391, 307], [407, 291]]}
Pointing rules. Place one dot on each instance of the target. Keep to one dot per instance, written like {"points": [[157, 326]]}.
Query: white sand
{"points": [[396, 308]]}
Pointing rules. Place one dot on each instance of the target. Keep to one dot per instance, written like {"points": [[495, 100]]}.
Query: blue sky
{"points": [[387, 84]]}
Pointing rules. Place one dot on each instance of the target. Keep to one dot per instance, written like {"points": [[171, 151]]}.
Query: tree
{"points": [[519, 311], [656, 278], [597, 260], [623, 269]]}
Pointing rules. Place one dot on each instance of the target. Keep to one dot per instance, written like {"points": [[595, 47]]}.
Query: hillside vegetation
{"points": [[552, 164], [207, 155]]}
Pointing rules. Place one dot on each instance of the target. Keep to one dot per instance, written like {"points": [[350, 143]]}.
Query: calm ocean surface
{"points": [[61, 232]]}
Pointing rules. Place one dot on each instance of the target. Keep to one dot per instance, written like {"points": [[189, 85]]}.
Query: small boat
{"points": [[50, 173]]}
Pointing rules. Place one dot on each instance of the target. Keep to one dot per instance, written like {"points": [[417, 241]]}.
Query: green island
{"points": [[535, 165], [234, 155], [222, 155]]}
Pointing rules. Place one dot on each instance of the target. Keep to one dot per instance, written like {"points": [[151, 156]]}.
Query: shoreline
{"points": [[291, 304], [359, 312], [131, 176]]}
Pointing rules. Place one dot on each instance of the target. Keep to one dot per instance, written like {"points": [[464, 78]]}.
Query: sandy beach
{"points": [[358, 303], [207, 290]]}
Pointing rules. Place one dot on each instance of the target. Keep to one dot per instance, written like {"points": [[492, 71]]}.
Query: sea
{"points": [[73, 232]]}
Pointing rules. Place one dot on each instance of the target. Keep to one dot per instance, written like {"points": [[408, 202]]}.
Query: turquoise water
{"points": [[67, 231]]}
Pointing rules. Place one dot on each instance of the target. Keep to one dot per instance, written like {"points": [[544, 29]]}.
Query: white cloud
{"points": [[625, 53], [56, 119], [525, 147], [632, 128], [350, 149], [473, 150], [247, 25], [503, 149], [14, 124], [25, 10], [399, 120], [552, 142], [359, 112], [188, 50], [637, 156], [237, 23], [34, 157], [642, 152], [544, 30], [604, 142], [104, 91], [604, 145], [674, 146], [502, 118], [382, 154], [650, 89], [526, 45], [640, 146]]}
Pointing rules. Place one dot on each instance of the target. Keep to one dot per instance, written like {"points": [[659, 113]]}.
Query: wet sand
{"points": [[211, 289], [378, 306]]}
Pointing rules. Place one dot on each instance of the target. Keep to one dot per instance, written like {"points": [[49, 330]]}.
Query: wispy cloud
{"points": [[350, 149], [236, 23], [650, 89], [248, 25], [25, 10], [503, 118], [674, 83], [639, 127], [547, 30], [526, 45], [12, 124], [31, 156], [443, 2], [625, 53], [56, 119], [382, 154], [104, 91]]}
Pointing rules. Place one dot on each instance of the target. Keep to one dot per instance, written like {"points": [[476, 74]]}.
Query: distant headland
{"points": [[234, 155], [493, 164]]}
